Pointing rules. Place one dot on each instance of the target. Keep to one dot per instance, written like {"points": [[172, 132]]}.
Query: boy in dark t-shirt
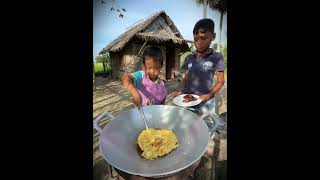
{"points": [[201, 66]]}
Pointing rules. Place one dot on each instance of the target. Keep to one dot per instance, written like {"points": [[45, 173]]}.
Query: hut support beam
{"points": [[142, 48]]}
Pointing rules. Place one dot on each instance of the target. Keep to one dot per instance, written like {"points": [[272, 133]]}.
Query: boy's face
{"points": [[152, 68], [203, 40]]}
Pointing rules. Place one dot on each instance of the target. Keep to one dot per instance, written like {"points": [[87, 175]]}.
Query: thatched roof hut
{"points": [[159, 30]]}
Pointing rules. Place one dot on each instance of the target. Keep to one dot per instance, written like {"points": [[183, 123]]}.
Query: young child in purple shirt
{"points": [[145, 86]]}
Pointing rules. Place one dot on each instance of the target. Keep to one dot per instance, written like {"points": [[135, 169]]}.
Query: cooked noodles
{"points": [[155, 143]]}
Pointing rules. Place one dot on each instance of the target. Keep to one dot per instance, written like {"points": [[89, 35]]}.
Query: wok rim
{"points": [[154, 174]]}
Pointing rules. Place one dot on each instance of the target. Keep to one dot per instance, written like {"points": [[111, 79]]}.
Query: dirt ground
{"points": [[111, 96]]}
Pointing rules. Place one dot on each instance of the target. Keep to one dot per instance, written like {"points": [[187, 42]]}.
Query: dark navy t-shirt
{"points": [[200, 71]]}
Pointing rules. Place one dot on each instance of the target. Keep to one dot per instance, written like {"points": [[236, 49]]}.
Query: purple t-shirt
{"points": [[200, 75]]}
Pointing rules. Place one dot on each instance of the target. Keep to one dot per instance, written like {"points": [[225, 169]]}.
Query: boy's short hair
{"points": [[203, 26], [153, 52]]}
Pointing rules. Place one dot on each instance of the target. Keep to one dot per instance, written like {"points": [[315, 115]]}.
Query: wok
{"points": [[118, 139]]}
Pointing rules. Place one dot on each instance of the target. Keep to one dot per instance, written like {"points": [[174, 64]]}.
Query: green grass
{"points": [[183, 56], [99, 69]]}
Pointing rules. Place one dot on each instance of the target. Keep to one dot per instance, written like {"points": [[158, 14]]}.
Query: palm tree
{"points": [[219, 5], [205, 4]]}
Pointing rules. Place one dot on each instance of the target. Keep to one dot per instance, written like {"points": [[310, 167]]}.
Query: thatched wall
{"points": [[177, 61], [115, 64]]}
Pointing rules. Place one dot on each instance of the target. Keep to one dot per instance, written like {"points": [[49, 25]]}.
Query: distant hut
{"points": [[158, 30]]}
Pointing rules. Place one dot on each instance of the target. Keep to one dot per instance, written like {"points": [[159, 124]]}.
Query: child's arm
{"points": [[220, 80], [219, 83], [183, 84], [216, 87], [128, 83]]}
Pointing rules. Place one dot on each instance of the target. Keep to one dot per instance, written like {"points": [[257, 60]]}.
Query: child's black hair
{"points": [[203, 26], [153, 52]]}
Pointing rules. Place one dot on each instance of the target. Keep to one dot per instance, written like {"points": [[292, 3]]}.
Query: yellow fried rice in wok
{"points": [[157, 142]]}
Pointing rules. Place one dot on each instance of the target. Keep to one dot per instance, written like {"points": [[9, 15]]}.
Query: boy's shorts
{"points": [[207, 107]]}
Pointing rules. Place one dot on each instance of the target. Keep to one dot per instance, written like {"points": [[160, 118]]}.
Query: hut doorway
{"points": [[170, 62]]}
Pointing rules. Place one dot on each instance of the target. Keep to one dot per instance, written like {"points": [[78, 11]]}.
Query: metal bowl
{"points": [[118, 139]]}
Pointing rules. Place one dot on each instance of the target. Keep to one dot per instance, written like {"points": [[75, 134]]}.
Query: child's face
{"points": [[152, 68], [203, 40]]}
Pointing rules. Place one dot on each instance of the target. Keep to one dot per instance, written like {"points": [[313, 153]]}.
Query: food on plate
{"points": [[187, 98], [157, 142]]}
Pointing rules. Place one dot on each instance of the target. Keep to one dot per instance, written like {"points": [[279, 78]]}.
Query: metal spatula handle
{"points": [[143, 116]]}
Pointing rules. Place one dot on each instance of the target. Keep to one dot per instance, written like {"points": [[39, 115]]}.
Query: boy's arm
{"points": [[183, 84], [216, 87], [127, 82], [184, 66], [220, 80], [184, 81]]}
